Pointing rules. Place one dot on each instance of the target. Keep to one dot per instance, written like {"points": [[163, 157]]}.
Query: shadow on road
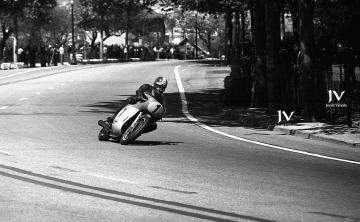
{"points": [[153, 143], [338, 130], [140, 142], [204, 105]]}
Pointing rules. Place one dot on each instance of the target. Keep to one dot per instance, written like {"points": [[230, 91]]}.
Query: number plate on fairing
{"points": [[122, 117], [156, 109]]}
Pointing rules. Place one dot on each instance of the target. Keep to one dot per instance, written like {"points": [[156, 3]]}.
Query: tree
{"points": [[110, 16], [307, 77], [34, 13], [57, 31], [259, 84], [132, 8], [171, 22], [272, 27], [98, 15]]}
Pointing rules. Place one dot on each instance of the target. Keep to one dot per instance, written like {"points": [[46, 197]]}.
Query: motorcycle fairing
{"points": [[123, 116]]}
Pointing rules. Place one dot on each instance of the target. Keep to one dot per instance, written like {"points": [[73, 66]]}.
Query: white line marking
{"points": [[19, 73], [4, 107], [23, 99], [15, 74], [191, 118], [112, 178], [6, 153]]}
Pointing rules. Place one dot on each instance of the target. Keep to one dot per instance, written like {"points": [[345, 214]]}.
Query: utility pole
{"points": [[14, 52], [73, 32], [196, 36]]}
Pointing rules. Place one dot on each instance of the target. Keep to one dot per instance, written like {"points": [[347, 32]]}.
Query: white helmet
{"points": [[160, 84]]}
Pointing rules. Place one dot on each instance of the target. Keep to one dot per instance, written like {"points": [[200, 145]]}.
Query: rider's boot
{"points": [[109, 120]]}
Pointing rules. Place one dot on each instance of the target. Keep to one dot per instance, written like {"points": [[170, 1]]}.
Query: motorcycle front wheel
{"points": [[135, 131], [103, 135]]}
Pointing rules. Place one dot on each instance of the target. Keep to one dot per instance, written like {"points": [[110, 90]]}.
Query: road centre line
{"points": [[23, 72], [6, 153], [197, 122], [112, 178]]}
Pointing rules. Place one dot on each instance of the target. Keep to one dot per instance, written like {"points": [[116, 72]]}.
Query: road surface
{"points": [[53, 168]]}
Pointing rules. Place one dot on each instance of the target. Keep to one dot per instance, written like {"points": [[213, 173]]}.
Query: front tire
{"points": [[135, 131], [104, 135]]}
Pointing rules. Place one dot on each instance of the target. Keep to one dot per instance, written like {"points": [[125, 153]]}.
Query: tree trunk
{"points": [[306, 67], [295, 19], [282, 26], [240, 83], [243, 33], [101, 49], [196, 37], [16, 27], [228, 35], [236, 39], [272, 21], [258, 90], [93, 45], [209, 42], [127, 27]]}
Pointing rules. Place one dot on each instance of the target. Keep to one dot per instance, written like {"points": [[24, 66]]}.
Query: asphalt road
{"points": [[53, 168]]}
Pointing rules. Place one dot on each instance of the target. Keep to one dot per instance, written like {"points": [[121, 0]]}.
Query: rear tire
{"points": [[104, 135], [134, 132]]}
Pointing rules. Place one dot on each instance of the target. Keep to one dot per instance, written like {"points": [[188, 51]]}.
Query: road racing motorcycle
{"points": [[132, 120]]}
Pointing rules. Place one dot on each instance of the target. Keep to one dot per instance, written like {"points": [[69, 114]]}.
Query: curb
{"points": [[315, 136]]}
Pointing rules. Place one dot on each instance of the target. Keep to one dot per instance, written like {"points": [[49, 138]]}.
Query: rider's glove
{"points": [[141, 98]]}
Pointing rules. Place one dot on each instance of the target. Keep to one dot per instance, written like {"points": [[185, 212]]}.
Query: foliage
{"points": [[57, 31], [31, 14], [340, 19], [110, 15]]}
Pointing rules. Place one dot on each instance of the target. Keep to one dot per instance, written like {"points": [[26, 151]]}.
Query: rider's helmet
{"points": [[160, 85]]}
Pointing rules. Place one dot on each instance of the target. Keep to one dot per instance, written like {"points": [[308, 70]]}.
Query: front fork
{"points": [[135, 121]]}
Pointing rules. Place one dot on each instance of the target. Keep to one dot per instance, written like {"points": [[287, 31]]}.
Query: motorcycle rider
{"points": [[156, 90]]}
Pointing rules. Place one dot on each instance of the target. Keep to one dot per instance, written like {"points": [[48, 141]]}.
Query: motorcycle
{"points": [[132, 120]]}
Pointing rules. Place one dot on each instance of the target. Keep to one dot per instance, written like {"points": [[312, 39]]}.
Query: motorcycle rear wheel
{"points": [[134, 132]]}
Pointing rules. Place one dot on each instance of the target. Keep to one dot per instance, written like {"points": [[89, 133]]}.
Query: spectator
{"points": [[20, 54], [105, 50], [61, 51], [172, 50], [32, 56], [26, 56], [49, 53], [43, 56], [56, 55]]}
